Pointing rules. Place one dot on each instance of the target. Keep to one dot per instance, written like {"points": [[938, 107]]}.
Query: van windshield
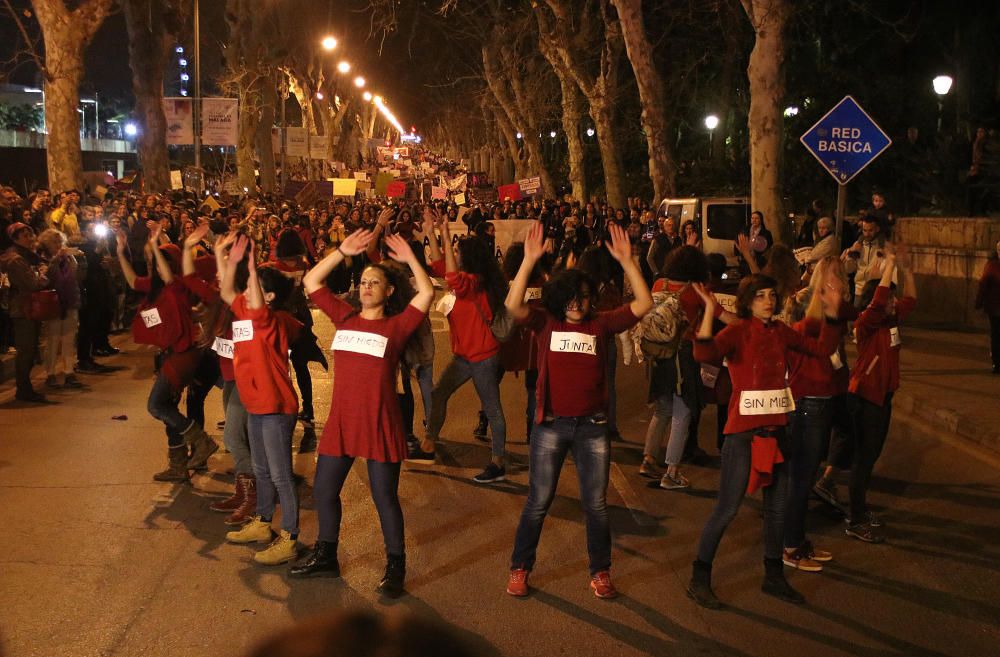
{"points": [[724, 221]]}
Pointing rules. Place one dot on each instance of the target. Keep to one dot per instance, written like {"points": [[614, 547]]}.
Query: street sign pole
{"points": [[841, 211]]}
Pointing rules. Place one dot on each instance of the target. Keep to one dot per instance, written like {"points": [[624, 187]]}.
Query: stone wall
{"points": [[949, 254]]}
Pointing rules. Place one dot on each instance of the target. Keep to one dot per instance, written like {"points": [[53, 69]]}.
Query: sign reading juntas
{"points": [[219, 121], [180, 128], [845, 140]]}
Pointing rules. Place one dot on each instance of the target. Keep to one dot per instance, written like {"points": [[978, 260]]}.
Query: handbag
{"points": [[42, 305], [502, 326]]}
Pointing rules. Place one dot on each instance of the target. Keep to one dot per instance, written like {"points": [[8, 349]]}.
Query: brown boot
{"points": [[249, 506], [233, 502], [201, 446], [177, 468]]}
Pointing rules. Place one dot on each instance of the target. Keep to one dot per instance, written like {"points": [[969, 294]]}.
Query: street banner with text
{"points": [[219, 121], [180, 127]]}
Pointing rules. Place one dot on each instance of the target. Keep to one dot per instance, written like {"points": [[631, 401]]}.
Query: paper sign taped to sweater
{"points": [[894, 340], [151, 317], [360, 342], [223, 347], [573, 343], [446, 304], [766, 402], [532, 294], [243, 330]]}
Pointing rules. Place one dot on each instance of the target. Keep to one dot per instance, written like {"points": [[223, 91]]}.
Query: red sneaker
{"points": [[517, 585], [602, 587]]}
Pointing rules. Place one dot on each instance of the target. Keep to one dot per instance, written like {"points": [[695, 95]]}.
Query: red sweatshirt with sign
{"points": [[876, 373], [757, 354], [208, 293], [261, 358], [469, 319]]}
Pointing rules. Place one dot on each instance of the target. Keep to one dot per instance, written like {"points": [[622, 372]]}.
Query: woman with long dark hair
{"points": [[365, 421]]}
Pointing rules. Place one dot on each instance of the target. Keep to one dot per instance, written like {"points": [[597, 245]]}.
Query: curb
{"points": [[946, 419]]}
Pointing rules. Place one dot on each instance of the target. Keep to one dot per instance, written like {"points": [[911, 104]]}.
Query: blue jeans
{"points": [[591, 451], [162, 405], [383, 479], [484, 377], [612, 369], [672, 408], [234, 435], [425, 379], [810, 429], [733, 481], [271, 449]]}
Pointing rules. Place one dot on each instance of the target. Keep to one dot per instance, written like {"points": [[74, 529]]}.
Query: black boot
{"points": [[321, 563], [391, 585], [775, 583], [700, 587], [481, 429]]}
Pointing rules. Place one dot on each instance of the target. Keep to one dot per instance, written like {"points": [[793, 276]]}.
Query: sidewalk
{"points": [[946, 381]]}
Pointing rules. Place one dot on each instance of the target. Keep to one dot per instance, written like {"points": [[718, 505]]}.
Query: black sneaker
{"points": [[864, 531], [307, 421], [480, 432], [417, 455], [493, 472]]}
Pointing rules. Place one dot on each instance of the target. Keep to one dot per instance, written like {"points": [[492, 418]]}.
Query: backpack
{"points": [[658, 334]]}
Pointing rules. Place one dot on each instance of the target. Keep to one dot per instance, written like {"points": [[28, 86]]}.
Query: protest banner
{"points": [[219, 121]]}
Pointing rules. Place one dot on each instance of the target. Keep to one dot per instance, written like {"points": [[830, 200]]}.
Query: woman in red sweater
{"points": [[757, 352], [365, 418], [874, 380], [477, 290], [988, 300]]}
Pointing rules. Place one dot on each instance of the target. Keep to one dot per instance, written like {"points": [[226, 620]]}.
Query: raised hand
{"points": [[534, 242], [122, 241], [356, 242], [197, 235], [743, 245], [239, 248], [222, 244], [619, 246], [429, 219], [384, 217], [154, 232], [399, 249], [705, 295]]}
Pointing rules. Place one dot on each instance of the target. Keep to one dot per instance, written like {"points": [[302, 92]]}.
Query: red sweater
{"points": [[471, 337], [818, 376], [876, 373], [757, 354], [572, 360], [261, 362], [170, 326]]}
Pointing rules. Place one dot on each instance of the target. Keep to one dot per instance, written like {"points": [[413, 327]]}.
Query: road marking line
{"points": [[632, 501]]}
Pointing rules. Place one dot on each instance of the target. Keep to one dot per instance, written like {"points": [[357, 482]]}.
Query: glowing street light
{"points": [[791, 111], [389, 116], [367, 96], [711, 122], [344, 67], [359, 82], [590, 132], [319, 95], [552, 134], [520, 136], [942, 84], [329, 43], [131, 130]]}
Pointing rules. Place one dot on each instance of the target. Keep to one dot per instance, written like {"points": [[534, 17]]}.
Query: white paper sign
{"points": [[532, 294], [243, 330], [836, 360], [766, 402], [573, 343], [709, 375], [360, 342], [894, 340], [223, 347], [446, 304], [151, 317]]}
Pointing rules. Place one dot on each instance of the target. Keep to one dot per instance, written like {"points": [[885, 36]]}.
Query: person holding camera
{"points": [[861, 258], [27, 273]]}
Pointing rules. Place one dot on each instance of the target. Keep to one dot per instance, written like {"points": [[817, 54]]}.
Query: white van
{"points": [[721, 219]]}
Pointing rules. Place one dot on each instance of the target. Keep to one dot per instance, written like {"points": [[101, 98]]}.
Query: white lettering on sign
{"points": [[151, 317], [532, 294], [894, 340], [843, 145], [836, 360], [223, 347], [766, 402], [573, 343], [360, 342], [446, 304], [243, 330]]}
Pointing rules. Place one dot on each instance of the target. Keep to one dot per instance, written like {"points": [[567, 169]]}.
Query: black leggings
{"points": [[383, 478], [871, 426], [300, 363]]}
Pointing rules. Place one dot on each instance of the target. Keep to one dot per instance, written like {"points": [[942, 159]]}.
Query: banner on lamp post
{"points": [[178, 113], [219, 121]]}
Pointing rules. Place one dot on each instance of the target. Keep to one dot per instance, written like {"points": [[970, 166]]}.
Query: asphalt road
{"points": [[99, 560]]}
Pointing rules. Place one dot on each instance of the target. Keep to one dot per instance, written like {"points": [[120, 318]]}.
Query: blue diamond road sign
{"points": [[845, 140]]}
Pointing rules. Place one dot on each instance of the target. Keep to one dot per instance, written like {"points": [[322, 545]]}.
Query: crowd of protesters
{"points": [[223, 291]]}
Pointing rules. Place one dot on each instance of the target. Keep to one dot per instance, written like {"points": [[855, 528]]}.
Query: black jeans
{"points": [[383, 478], [810, 430], [995, 339], [26, 342], [871, 426], [733, 481]]}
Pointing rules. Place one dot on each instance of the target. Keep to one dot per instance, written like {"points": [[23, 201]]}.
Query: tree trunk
{"points": [[662, 168], [246, 141], [572, 115], [66, 35], [767, 92], [602, 112], [265, 147]]}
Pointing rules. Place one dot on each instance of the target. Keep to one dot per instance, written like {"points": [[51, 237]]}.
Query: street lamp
{"points": [[319, 95], [942, 85], [130, 130], [520, 136], [711, 122], [367, 96], [590, 132], [552, 134], [329, 43], [791, 111], [359, 82], [344, 67]]}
